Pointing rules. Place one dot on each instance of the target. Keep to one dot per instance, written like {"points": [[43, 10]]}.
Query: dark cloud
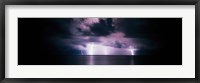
{"points": [[107, 31]]}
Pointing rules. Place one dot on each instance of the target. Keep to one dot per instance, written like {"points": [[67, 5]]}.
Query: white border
{"points": [[187, 70]]}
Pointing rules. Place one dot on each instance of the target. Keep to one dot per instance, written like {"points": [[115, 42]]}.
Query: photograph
{"points": [[64, 41], [99, 41]]}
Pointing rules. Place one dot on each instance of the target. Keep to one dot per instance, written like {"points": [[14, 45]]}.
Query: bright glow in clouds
{"points": [[90, 48], [132, 53], [132, 50], [99, 49]]}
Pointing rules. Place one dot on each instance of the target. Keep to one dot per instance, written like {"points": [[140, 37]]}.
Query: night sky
{"points": [[69, 41]]}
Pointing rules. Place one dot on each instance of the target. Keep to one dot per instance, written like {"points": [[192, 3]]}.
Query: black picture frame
{"points": [[97, 2]]}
